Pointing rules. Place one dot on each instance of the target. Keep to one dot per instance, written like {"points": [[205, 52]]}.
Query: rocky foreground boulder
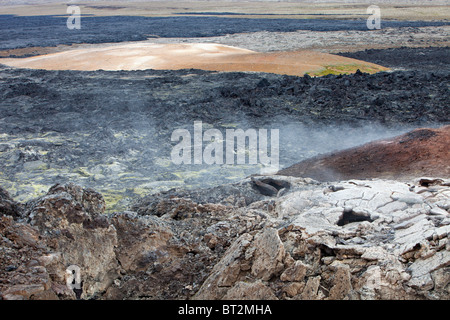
{"points": [[356, 239]]}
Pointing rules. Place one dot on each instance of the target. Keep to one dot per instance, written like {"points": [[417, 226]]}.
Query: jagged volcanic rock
{"points": [[7, 205], [356, 239]]}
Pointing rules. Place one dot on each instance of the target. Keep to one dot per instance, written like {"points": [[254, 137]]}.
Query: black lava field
{"points": [[112, 130], [22, 32]]}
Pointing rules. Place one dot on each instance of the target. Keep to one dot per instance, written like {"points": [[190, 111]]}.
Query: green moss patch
{"points": [[344, 69]]}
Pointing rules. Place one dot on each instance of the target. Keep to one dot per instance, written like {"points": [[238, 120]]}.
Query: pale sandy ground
{"points": [[399, 10], [206, 56], [329, 42]]}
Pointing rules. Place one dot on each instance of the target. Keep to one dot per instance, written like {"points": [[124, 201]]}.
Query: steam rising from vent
{"points": [[235, 147], [271, 148], [111, 131], [300, 141]]}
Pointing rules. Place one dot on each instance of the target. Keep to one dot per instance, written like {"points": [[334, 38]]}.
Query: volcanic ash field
{"points": [[359, 208]]}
